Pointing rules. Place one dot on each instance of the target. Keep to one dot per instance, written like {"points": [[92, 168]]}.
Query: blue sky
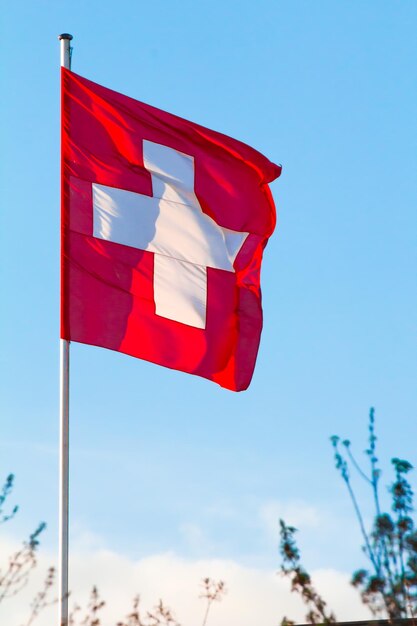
{"points": [[161, 460]]}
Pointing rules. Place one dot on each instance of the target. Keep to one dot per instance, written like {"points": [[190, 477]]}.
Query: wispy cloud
{"points": [[195, 538]]}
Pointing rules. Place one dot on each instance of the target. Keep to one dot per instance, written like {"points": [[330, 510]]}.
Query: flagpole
{"points": [[65, 40]]}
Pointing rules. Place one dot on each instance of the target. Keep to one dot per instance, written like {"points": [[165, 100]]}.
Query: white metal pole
{"points": [[64, 483], [65, 40]]}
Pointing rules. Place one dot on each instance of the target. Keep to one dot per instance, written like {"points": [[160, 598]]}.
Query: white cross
{"points": [[171, 224]]}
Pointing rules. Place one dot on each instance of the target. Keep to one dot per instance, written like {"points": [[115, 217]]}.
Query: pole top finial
{"points": [[65, 36]]}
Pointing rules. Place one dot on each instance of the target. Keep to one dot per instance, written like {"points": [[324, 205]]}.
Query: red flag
{"points": [[163, 227]]}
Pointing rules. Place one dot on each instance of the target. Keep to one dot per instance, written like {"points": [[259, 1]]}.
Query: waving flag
{"points": [[164, 223]]}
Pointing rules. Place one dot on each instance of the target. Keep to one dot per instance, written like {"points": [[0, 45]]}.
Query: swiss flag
{"points": [[164, 223]]}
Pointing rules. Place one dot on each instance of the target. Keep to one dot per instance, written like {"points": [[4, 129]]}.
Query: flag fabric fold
{"points": [[164, 223]]}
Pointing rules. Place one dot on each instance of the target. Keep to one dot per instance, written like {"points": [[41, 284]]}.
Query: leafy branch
{"points": [[4, 494], [300, 579], [389, 586]]}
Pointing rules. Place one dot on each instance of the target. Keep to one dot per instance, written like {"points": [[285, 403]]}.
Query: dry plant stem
{"points": [[71, 617], [94, 607], [206, 613], [41, 601], [159, 616], [134, 618], [20, 566], [213, 591], [17, 573]]}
